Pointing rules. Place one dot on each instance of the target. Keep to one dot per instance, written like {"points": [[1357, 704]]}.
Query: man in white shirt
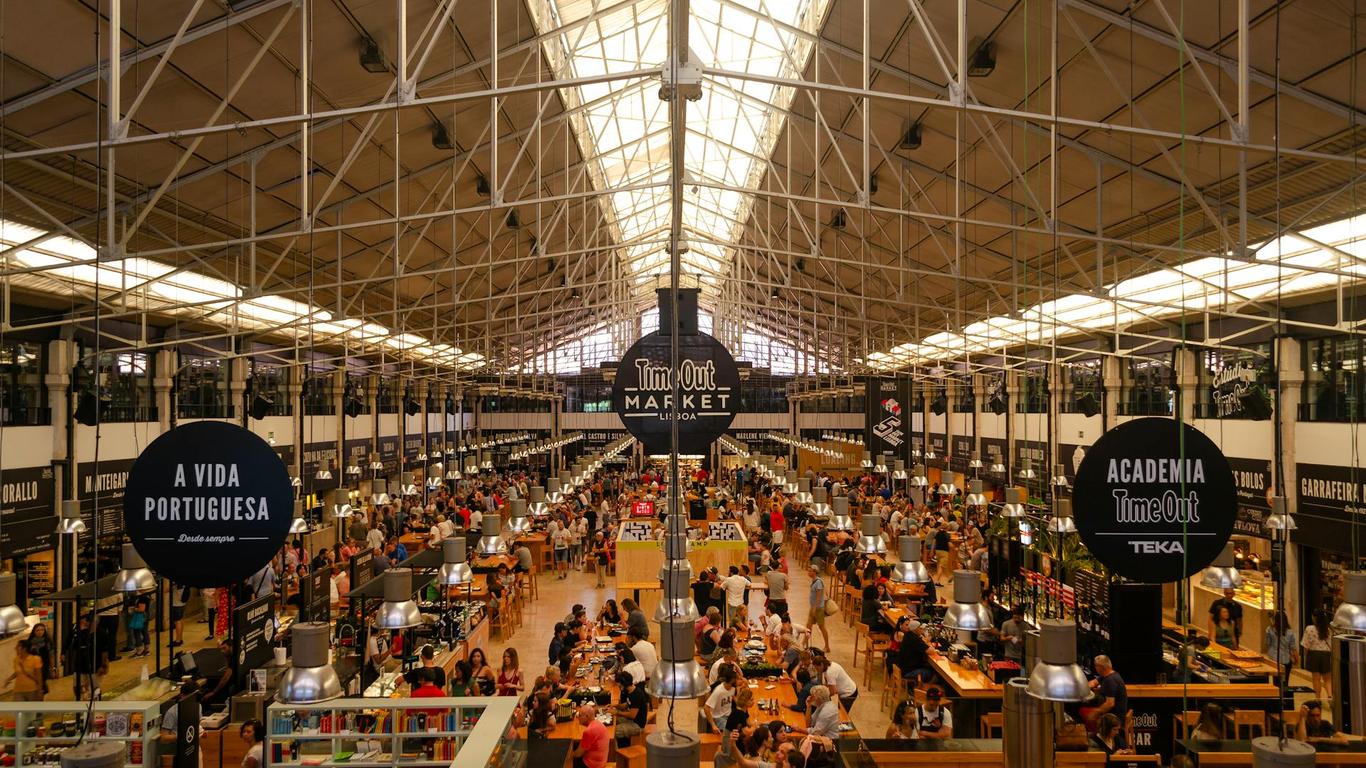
{"points": [[933, 720], [894, 523], [476, 519], [645, 652], [773, 626], [734, 586], [841, 684], [447, 527], [374, 538]]}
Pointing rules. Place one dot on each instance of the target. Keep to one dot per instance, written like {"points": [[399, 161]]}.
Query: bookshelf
{"points": [[35, 733], [393, 733]]}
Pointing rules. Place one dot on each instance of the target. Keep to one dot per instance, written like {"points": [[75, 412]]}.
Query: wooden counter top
{"points": [[967, 683], [1264, 665]]}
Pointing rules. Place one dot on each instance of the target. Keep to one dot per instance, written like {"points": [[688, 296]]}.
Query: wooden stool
{"points": [[1289, 720], [631, 757], [1183, 723], [874, 659], [894, 691], [993, 725]]}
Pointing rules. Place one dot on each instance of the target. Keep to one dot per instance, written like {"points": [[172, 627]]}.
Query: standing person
{"points": [[561, 538], [81, 650], [1110, 685], [1013, 634], [28, 673], [137, 628], [510, 679], [734, 586], [1225, 631], [595, 741], [1235, 617], [253, 733], [1281, 644], [41, 644], [209, 596], [180, 594], [1317, 656], [777, 590], [816, 616], [601, 558]]}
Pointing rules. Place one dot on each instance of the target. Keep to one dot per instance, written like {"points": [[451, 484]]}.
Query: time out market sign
{"points": [[208, 504], [1155, 500], [708, 384]]}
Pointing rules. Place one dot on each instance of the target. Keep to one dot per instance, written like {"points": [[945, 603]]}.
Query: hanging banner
{"points": [[27, 511], [412, 446], [1253, 479], [314, 455], [1155, 500], [356, 453], [100, 490], [708, 391], [887, 416], [1328, 506], [962, 453], [388, 447], [208, 504]]}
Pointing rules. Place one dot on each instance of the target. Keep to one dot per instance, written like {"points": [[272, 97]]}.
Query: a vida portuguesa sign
{"points": [[1155, 500], [207, 504]]}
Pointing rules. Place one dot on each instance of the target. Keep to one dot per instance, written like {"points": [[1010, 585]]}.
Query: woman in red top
{"points": [[510, 680], [775, 518]]}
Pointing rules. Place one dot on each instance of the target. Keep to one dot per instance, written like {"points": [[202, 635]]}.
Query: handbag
{"points": [[831, 607]]}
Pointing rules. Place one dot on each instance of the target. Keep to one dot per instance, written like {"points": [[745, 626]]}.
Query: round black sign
{"points": [[708, 391], [208, 504], [1155, 500]]}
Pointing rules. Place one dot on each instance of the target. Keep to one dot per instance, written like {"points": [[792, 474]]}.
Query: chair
{"points": [[875, 658], [894, 691], [1183, 724], [1289, 720], [993, 725], [631, 757], [1250, 719]]}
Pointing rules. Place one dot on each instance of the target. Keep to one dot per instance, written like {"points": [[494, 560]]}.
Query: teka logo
{"points": [[1158, 547]]}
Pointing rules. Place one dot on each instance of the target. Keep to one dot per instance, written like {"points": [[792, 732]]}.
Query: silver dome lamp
{"points": [[929, 452], [379, 492], [910, 569], [918, 478], [1012, 507], [1057, 676], [677, 676], [376, 463], [871, 542], [1351, 613], [71, 520], [341, 511], [1059, 479], [518, 522], [491, 541], [300, 523], [11, 615], [966, 613], [324, 471], [790, 482], [997, 467], [867, 461], [310, 678], [820, 504], [455, 568], [803, 491], [536, 501], [1062, 522], [975, 497], [553, 494], [1223, 572], [1280, 521], [134, 576], [882, 461], [976, 461], [1027, 470], [839, 515], [398, 611], [947, 488], [677, 580], [566, 482], [899, 470]]}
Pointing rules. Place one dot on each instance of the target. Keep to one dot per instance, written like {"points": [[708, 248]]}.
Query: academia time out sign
{"points": [[1155, 500], [708, 391], [207, 504]]}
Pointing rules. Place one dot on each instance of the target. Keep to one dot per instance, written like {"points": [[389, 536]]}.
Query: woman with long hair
{"points": [[510, 679], [1210, 727], [1317, 657], [1109, 736], [481, 674], [903, 721], [1224, 629], [1281, 644]]}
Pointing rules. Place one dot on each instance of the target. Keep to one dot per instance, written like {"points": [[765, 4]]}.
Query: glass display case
{"points": [[395, 733], [35, 733]]}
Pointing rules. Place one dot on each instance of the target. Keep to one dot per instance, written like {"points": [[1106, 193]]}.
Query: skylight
{"points": [[1286, 265], [158, 287], [625, 128]]}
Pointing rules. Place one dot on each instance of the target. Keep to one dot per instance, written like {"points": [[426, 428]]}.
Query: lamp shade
{"points": [[1351, 613], [839, 515], [310, 679], [518, 522], [967, 613], [871, 542], [71, 520], [1223, 572], [1013, 507], [975, 497], [918, 478], [553, 494], [134, 576], [300, 523], [398, 611], [11, 615], [1062, 521], [820, 502], [1280, 521], [1057, 677], [910, 569], [491, 541], [455, 568]]}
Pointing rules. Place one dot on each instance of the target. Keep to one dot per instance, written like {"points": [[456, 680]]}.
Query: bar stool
{"points": [[993, 725], [894, 691], [1251, 719], [874, 658]]}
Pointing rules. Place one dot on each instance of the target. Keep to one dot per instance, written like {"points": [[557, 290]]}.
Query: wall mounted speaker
{"points": [[1088, 405], [260, 407]]}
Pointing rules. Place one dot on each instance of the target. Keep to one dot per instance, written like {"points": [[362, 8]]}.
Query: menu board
{"points": [[104, 518], [1252, 478], [412, 446], [28, 513], [643, 509], [317, 595], [253, 634], [314, 455]]}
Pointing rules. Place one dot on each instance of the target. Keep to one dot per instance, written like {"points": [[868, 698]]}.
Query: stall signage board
{"points": [[100, 489], [887, 415], [962, 452], [643, 509], [253, 634], [993, 452], [1253, 479], [27, 511], [1155, 500], [317, 597], [708, 383], [388, 447], [315, 454], [208, 504], [1328, 503], [939, 443], [412, 446]]}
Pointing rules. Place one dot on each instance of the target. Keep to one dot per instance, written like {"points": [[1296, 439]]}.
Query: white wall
{"points": [[116, 441], [776, 421], [962, 423], [544, 421], [583, 422], [321, 429], [1325, 443], [841, 421], [1250, 439], [991, 425], [1074, 428], [388, 426], [25, 447], [281, 426]]}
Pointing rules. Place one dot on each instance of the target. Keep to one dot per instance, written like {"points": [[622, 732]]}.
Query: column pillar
{"points": [[1112, 379], [1013, 394], [1289, 357], [294, 395], [164, 365], [1187, 382], [61, 359], [237, 390]]}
